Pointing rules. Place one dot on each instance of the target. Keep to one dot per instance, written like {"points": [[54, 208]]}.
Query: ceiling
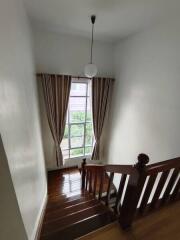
{"points": [[115, 18]]}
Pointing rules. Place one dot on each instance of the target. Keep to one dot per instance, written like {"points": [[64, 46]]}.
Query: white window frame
{"points": [[87, 82]]}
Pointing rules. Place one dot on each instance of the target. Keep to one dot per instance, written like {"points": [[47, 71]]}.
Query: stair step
{"points": [[68, 202], [61, 212], [61, 196], [99, 218], [65, 221]]}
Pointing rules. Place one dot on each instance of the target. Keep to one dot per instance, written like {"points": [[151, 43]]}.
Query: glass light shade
{"points": [[90, 70]]}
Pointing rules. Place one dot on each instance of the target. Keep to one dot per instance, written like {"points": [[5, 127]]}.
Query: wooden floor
{"points": [[70, 211], [161, 225]]}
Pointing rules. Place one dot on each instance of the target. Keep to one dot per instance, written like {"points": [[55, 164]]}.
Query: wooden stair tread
{"points": [[63, 203], [63, 222], [82, 227], [58, 196], [59, 213]]}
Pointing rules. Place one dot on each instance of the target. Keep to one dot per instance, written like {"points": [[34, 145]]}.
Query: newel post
{"points": [[133, 191], [83, 173]]}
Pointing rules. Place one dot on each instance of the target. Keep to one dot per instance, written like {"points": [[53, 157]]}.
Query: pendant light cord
{"points": [[92, 41], [93, 18]]}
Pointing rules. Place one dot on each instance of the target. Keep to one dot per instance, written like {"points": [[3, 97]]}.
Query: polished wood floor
{"points": [[71, 213], [161, 225]]}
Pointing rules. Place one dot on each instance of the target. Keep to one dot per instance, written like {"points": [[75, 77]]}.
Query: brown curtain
{"points": [[100, 96], [56, 89]]}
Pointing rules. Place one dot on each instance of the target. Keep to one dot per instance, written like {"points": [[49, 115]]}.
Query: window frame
{"points": [[84, 123]]}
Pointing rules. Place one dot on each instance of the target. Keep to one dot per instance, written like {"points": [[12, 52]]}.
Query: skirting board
{"points": [[40, 219]]}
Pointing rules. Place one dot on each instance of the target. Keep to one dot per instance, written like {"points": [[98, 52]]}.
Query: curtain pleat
{"points": [[100, 97], [56, 90]]}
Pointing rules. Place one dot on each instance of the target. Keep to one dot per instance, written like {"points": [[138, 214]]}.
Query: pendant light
{"points": [[90, 69]]}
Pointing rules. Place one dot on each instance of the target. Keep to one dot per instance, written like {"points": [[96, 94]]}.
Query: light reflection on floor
{"points": [[71, 183]]}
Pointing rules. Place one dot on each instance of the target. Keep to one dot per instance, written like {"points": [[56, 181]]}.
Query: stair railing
{"points": [[142, 187]]}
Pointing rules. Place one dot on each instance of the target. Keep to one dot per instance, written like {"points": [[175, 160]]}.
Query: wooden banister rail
{"points": [[163, 166], [141, 187]]}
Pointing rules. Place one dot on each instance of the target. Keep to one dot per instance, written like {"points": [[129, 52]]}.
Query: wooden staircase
{"points": [[81, 203], [71, 217]]}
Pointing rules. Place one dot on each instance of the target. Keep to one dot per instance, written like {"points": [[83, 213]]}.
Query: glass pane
{"points": [[89, 88], [88, 150], [89, 110], [77, 109], [77, 142], [77, 152], [65, 154], [65, 143], [66, 131], [67, 117], [89, 134], [77, 130], [78, 89]]}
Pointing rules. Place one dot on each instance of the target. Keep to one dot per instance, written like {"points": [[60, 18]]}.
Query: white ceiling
{"points": [[115, 18]]}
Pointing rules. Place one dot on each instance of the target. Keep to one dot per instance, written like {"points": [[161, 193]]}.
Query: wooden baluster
{"points": [[83, 173], [170, 186], [90, 181], [120, 191], [95, 182], [159, 188], [175, 193], [101, 183], [109, 188], [133, 191], [147, 193], [87, 179]]}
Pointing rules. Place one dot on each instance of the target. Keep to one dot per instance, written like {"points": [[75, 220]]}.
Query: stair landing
{"points": [[71, 213]]}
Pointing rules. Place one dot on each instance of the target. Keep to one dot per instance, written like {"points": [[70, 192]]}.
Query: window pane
{"points": [[88, 150], [89, 111], [67, 117], [66, 131], [77, 109], [77, 142], [65, 143], [89, 134], [89, 88], [65, 154], [77, 152], [78, 89], [77, 130]]}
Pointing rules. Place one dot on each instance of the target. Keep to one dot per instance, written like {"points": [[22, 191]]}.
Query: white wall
{"points": [[19, 115], [11, 224], [145, 112], [66, 54]]}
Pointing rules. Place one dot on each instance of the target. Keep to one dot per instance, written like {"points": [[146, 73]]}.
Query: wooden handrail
{"points": [[132, 185], [163, 166], [125, 169]]}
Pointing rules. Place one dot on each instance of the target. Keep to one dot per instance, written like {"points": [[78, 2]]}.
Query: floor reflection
{"points": [[64, 183]]}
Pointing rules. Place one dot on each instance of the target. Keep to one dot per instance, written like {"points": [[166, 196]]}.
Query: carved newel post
{"points": [[133, 192]]}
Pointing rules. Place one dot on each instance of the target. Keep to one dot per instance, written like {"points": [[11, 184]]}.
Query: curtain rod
{"points": [[80, 77]]}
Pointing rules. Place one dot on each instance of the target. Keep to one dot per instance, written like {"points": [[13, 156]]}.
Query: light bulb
{"points": [[90, 70]]}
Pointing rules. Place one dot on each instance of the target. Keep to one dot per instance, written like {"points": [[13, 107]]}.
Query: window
{"points": [[78, 136]]}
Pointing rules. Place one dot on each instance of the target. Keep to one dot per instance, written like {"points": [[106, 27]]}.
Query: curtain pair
{"points": [[56, 89]]}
